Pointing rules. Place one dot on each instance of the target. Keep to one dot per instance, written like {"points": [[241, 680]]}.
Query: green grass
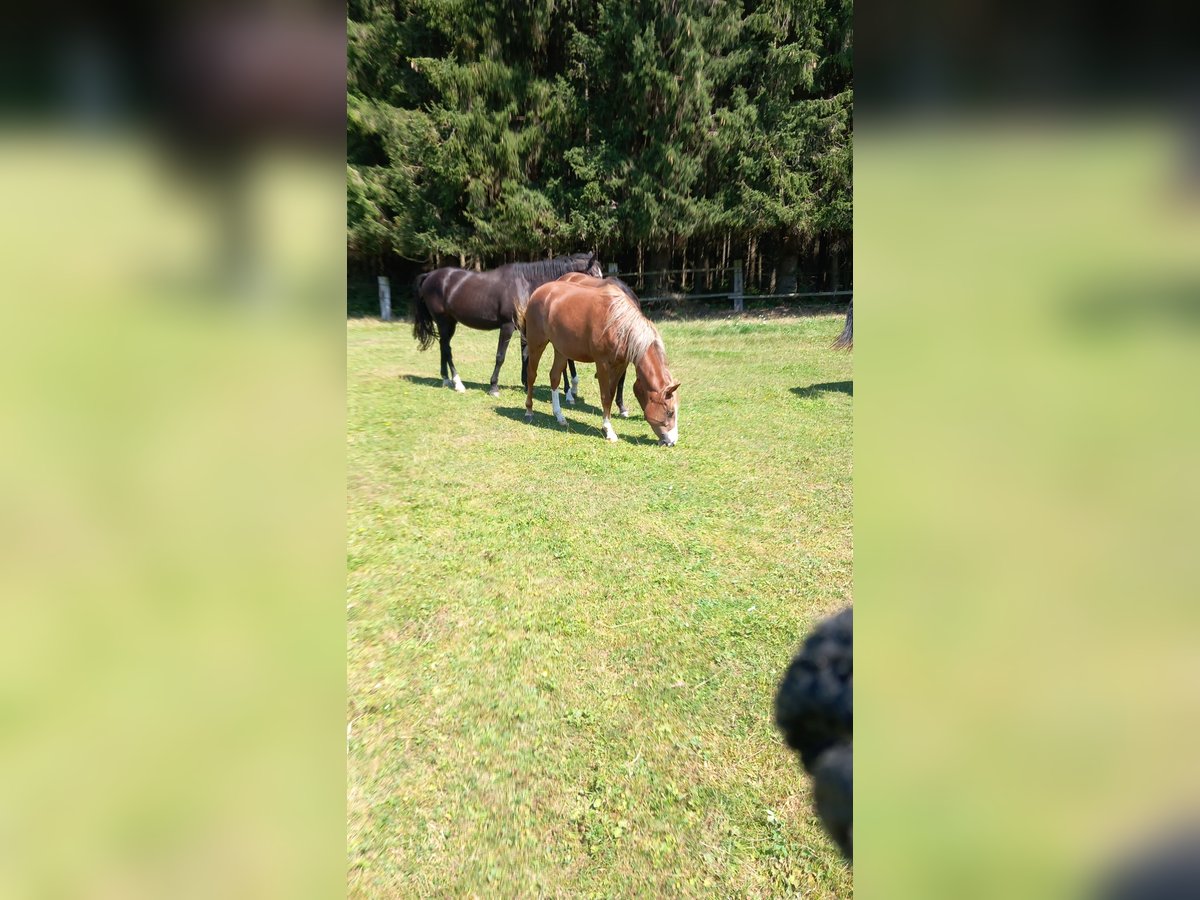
{"points": [[563, 652]]}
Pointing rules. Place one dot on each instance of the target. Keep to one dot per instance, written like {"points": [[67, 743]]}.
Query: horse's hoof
{"points": [[569, 399], [529, 417], [494, 392], [562, 422], [459, 388], [446, 382], [624, 413], [611, 437]]}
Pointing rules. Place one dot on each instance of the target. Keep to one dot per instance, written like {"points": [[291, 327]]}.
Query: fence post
{"points": [[385, 298], [737, 295], [612, 268]]}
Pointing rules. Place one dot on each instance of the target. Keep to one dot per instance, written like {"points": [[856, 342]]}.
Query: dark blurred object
{"points": [[236, 82], [938, 56], [1168, 869], [814, 708], [212, 76], [218, 87], [235, 79]]}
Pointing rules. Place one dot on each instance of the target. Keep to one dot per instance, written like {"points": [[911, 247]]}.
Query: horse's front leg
{"points": [[621, 396], [506, 333], [535, 356]]}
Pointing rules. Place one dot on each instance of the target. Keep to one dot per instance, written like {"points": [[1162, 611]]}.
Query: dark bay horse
{"points": [[598, 322], [486, 300]]}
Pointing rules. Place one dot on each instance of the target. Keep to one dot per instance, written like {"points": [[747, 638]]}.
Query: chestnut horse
{"points": [[573, 389], [597, 321]]}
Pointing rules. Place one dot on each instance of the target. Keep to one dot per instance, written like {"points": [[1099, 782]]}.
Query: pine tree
{"points": [[497, 130]]}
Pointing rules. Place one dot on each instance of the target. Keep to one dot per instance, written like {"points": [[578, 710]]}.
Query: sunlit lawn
{"points": [[563, 653]]}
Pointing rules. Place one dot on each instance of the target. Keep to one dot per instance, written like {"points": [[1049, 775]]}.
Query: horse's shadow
{"points": [[437, 383], [541, 394], [545, 419], [829, 387]]}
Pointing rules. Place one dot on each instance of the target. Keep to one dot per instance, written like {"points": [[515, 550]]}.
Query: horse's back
{"points": [[570, 314], [583, 278], [471, 298]]}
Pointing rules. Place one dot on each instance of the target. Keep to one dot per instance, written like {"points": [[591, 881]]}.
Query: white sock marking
{"points": [[458, 385], [609, 434], [562, 420]]}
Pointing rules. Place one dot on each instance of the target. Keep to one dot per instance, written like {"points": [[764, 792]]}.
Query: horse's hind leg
{"points": [[442, 345], [506, 333], [556, 370], [621, 396], [572, 386], [605, 377], [535, 356], [446, 328]]}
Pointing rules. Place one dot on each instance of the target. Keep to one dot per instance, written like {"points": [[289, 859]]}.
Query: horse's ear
{"points": [[672, 389], [591, 260]]}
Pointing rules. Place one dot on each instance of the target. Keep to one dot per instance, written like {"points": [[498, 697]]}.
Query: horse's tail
{"points": [[845, 340], [424, 328], [519, 309]]}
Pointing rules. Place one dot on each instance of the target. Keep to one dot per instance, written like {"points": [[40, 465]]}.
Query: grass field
{"points": [[563, 653]]}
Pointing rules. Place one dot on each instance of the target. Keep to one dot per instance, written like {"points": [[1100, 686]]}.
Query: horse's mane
{"points": [[613, 279], [632, 333], [542, 270]]}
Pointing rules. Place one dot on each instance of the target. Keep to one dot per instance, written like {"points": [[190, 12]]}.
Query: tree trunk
{"points": [[660, 259], [789, 266]]}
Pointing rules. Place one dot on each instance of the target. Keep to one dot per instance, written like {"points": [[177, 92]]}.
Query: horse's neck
{"points": [[652, 367], [543, 271]]}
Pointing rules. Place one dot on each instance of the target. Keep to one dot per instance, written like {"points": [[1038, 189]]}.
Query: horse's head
{"points": [[661, 408], [592, 267]]}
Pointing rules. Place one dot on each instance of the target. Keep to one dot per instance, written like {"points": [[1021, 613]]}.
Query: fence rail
{"points": [[678, 297], [736, 293]]}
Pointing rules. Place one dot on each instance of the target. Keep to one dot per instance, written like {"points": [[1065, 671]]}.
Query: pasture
{"points": [[562, 652]]}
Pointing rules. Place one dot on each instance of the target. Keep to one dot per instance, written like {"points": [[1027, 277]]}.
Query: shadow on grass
{"points": [[646, 440], [829, 387], [586, 426], [437, 383]]}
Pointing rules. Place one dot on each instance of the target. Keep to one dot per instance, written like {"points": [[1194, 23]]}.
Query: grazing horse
{"points": [[486, 300], [573, 390], [600, 323]]}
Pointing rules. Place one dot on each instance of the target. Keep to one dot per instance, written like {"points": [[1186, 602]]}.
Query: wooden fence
{"points": [[735, 293]]}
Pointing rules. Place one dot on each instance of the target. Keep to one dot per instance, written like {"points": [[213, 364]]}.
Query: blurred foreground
{"points": [[171, 524], [1027, 501]]}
